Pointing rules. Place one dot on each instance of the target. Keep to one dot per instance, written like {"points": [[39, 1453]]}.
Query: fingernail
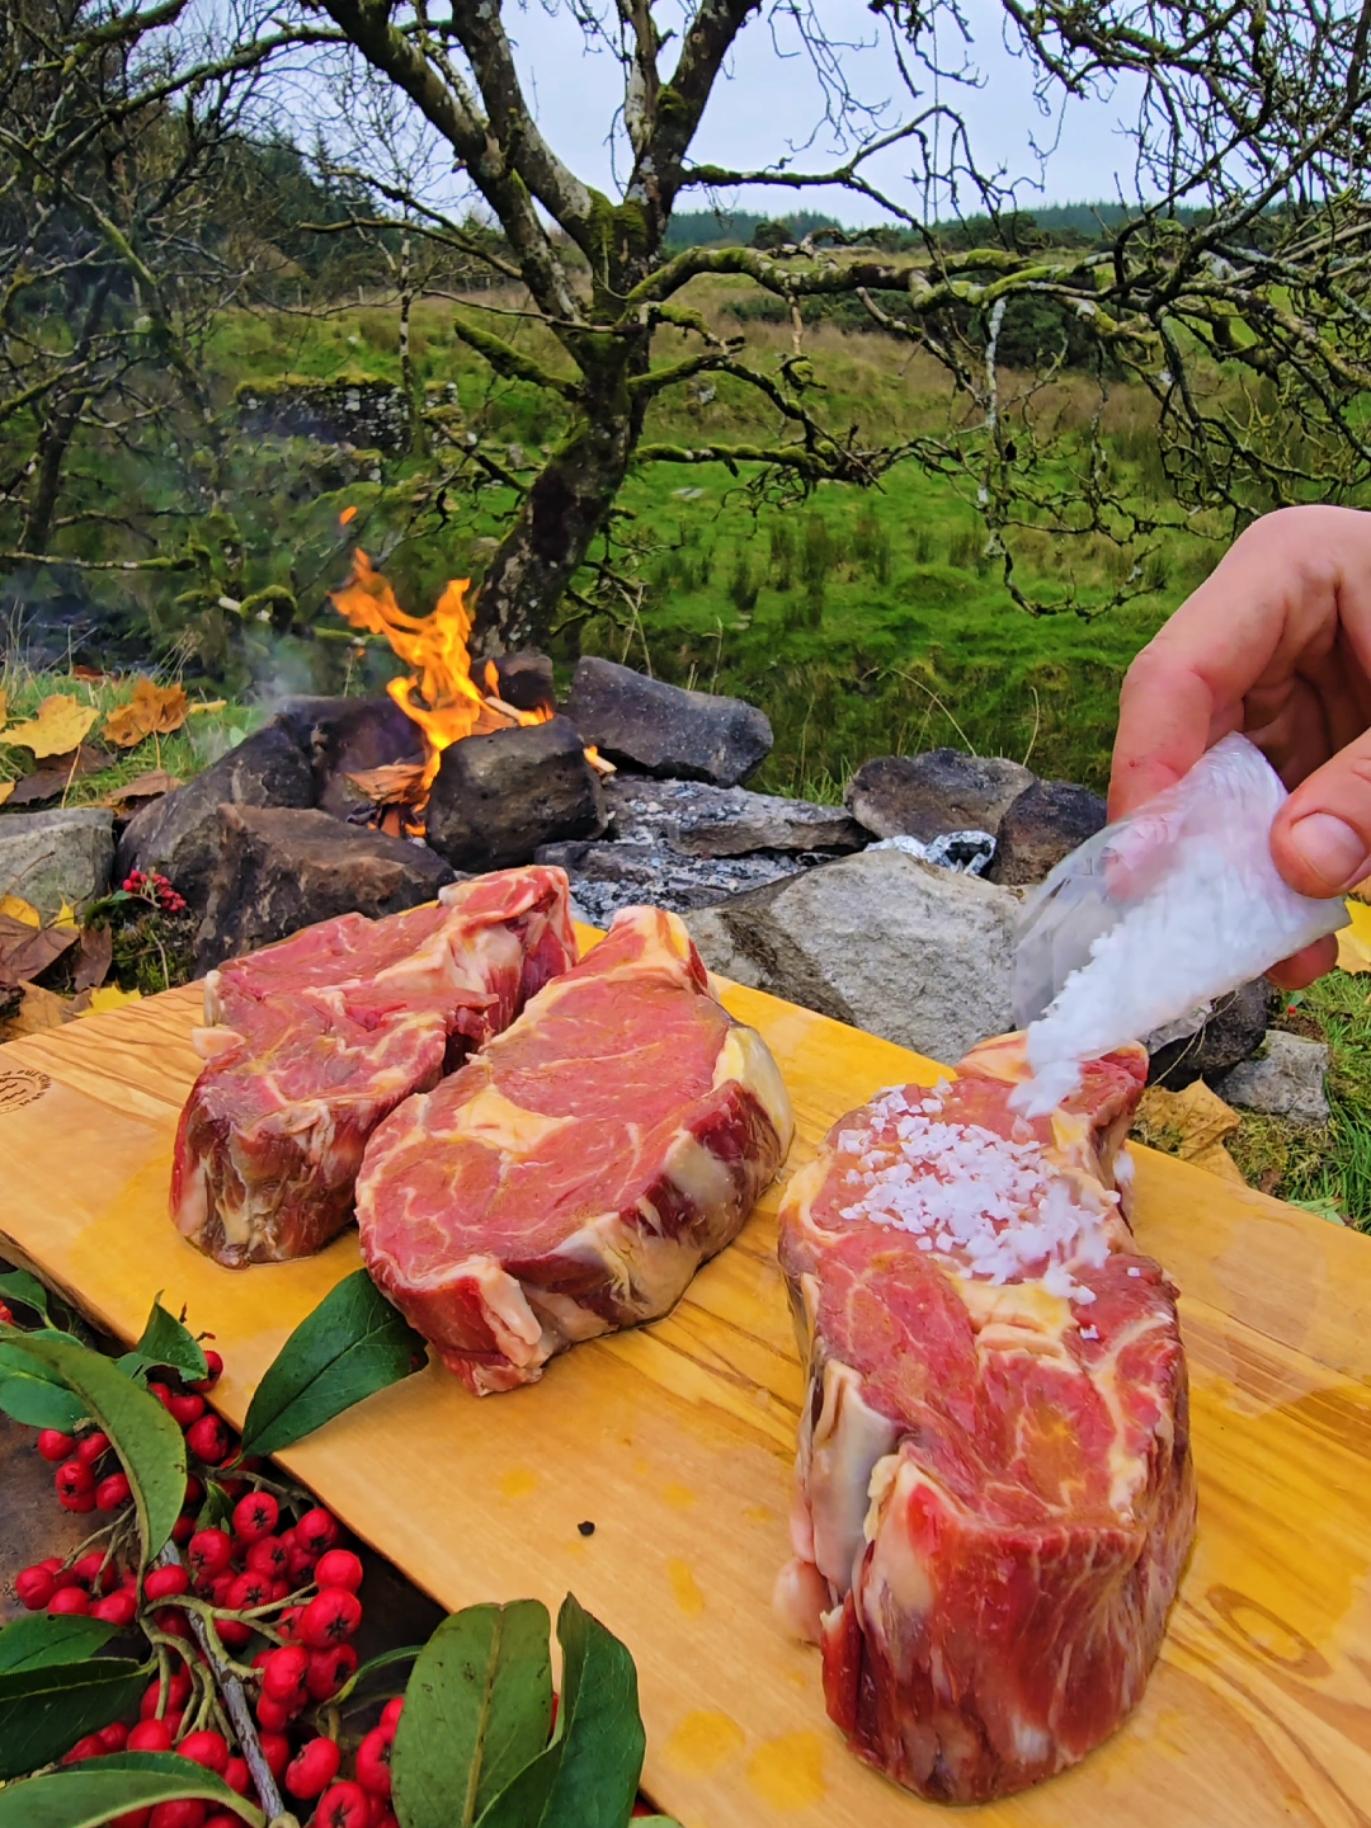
{"points": [[1332, 853]]}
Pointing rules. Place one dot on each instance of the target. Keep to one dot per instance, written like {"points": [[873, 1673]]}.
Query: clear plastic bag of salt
{"points": [[1135, 934]]}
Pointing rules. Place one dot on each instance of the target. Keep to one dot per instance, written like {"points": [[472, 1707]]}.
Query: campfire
{"points": [[440, 694]]}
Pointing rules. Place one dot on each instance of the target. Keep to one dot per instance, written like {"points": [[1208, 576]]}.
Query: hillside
{"points": [[863, 620]]}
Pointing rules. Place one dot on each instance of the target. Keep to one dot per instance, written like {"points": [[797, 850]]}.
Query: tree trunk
{"points": [[58, 428], [566, 507], [409, 380]]}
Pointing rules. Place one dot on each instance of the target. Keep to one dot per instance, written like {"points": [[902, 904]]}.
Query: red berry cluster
{"points": [[289, 1587], [154, 887]]}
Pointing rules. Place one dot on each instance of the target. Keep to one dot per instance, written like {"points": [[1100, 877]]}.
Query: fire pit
{"points": [[440, 693], [633, 786]]}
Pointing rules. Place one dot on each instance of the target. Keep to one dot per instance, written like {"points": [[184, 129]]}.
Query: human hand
{"points": [[1275, 643]]}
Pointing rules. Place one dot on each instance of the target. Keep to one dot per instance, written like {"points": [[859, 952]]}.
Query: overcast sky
{"points": [[772, 100]]}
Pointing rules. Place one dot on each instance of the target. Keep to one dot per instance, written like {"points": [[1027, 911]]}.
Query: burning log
{"points": [[440, 694]]}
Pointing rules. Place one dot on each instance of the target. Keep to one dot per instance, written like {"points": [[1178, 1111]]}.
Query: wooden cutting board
{"points": [[676, 1443]]}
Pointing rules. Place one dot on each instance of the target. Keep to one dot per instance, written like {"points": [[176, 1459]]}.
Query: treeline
{"points": [[1051, 224], [699, 228]]}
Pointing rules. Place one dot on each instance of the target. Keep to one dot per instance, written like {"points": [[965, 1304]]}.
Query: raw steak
{"points": [[573, 1177], [318, 1038], [995, 1494]]}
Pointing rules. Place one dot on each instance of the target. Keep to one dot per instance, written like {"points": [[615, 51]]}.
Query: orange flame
{"points": [[439, 693]]}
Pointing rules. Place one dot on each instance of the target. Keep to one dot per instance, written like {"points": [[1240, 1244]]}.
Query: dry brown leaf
{"points": [[149, 786], [153, 709], [26, 952], [93, 959], [59, 727], [1192, 1124], [58, 773], [38, 788]]}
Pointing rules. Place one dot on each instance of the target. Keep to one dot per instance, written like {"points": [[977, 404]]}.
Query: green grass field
{"points": [[862, 621]]}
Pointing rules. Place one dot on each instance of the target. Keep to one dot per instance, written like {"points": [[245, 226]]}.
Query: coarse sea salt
{"points": [[965, 1192], [1162, 914]]}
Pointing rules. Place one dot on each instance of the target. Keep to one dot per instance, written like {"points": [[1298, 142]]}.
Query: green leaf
{"points": [[81, 1796], [166, 1343], [477, 1710], [353, 1344], [44, 1711], [361, 1676], [18, 1285], [1323, 1209], [34, 1394], [149, 1444], [217, 1508], [588, 1776], [38, 1639], [37, 1403]]}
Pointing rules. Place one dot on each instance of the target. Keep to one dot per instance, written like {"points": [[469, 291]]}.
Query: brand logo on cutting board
{"points": [[20, 1085]]}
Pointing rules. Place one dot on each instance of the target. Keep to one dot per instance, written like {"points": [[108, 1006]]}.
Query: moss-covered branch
{"points": [[508, 361]]}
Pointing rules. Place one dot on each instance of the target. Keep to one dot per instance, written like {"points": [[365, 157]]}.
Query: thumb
{"points": [[1321, 840]]}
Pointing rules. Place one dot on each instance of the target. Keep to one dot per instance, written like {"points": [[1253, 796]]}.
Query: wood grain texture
{"points": [[676, 1442]]}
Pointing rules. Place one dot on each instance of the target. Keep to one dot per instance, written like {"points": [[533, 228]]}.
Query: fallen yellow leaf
{"points": [[39, 1009], [58, 728], [1354, 941], [210, 704], [1193, 1125], [66, 917], [18, 909], [110, 996], [152, 709], [6, 787]]}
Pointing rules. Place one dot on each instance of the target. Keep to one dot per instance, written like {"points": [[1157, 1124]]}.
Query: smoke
{"points": [[282, 668]]}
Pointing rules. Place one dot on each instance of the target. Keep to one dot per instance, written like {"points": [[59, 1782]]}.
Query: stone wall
{"points": [[373, 415]]}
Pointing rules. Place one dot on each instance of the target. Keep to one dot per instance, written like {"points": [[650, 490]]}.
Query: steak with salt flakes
{"points": [[572, 1177], [995, 1494], [313, 1041]]}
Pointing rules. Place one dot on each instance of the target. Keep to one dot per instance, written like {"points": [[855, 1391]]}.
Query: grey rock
{"points": [[342, 736], [498, 798], [1285, 1080], [665, 730], [966, 851], [1044, 824], [1233, 1031], [179, 834], [880, 940], [606, 877], [525, 679], [280, 869], [940, 791], [47, 858], [706, 821]]}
